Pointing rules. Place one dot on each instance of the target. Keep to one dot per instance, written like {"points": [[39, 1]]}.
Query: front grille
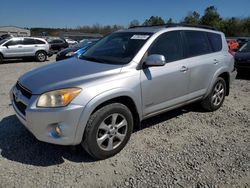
{"points": [[20, 106], [27, 93]]}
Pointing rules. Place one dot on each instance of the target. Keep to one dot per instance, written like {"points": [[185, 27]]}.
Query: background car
{"points": [[19, 47], [232, 44], [242, 41], [71, 42], [5, 36], [76, 50], [242, 58], [57, 45]]}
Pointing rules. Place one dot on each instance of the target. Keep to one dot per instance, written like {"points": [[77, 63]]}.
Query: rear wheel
{"points": [[216, 97], [108, 131], [41, 56]]}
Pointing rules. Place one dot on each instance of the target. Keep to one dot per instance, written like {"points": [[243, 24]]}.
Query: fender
{"points": [[99, 99], [216, 75]]}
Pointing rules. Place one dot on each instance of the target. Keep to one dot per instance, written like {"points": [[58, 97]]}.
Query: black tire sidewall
{"points": [[93, 125]]}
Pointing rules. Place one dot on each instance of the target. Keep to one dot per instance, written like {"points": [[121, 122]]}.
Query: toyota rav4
{"points": [[97, 99]]}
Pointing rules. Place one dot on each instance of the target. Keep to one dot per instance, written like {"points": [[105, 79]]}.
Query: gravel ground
{"points": [[182, 148]]}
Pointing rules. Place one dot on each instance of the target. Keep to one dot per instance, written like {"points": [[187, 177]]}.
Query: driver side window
{"points": [[169, 45], [13, 43]]}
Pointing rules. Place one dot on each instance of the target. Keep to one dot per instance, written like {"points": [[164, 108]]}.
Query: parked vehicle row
{"points": [[130, 75], [75, 50]]}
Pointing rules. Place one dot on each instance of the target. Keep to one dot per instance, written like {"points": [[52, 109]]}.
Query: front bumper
{"points": [[41, 122]]}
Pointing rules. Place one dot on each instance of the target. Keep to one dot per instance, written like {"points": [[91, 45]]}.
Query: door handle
{"points": [[19, 46], [216, 61], [183, 69]]}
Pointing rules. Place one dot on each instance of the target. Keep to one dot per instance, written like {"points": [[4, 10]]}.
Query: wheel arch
{"points": [[41, 50], [223, 73], [124, 97]]}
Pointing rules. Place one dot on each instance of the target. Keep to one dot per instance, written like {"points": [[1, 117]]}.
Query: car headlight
{"points": [[69, 54], [58, 98]]}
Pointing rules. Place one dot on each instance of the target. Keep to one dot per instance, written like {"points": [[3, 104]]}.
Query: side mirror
{"points": [[6, 45], [155, 60]]}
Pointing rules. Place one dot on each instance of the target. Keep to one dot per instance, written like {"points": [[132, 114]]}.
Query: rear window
{"points": [[39, 41], [197, 43], [28, 41], [215, 41]]}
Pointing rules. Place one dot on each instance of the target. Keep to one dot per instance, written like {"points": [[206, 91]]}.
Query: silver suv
{"points": [[19, 47], [126, 77]]}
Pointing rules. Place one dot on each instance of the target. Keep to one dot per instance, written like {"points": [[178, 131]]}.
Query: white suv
{"points": [[19, 47]]}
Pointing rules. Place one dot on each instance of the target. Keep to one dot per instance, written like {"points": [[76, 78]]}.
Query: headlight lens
{"points": [[58, 98], [70, 54]]}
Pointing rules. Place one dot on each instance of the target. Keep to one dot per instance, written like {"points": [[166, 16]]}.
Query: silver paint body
{"points": [[153, 89]]}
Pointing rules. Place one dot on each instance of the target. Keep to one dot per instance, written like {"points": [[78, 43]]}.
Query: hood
{"points": [[71, 72], [67, 50]]}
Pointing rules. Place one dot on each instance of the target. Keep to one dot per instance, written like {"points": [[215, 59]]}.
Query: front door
{"points": [[165, 86]]}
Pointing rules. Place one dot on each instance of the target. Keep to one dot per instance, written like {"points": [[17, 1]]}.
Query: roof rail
{"points": [[177, 25]]}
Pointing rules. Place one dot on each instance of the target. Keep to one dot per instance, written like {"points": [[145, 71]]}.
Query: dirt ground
{"points": [[185, 147]]}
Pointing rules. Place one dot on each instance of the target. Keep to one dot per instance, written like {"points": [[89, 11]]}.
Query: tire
{"points": [[103, 129], [1, 59], [216, 97], [41, 56]]}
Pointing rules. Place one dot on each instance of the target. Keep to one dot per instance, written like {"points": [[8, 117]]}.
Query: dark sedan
{"points": [[57, 45], [76, 49], [242, 57]]}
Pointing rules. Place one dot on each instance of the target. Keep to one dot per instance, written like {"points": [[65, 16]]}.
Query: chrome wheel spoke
{"points": [[110, 144], [114, 118], [104, 126], [122, 124], [120, 136], [102, 139]]}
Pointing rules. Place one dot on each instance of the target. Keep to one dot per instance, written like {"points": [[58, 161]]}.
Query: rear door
{"points": [[203, 61], [29, 47]]}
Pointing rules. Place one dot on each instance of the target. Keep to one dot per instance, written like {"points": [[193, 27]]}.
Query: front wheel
{"points": [[108, 131], [41, 56], [216, 97]]}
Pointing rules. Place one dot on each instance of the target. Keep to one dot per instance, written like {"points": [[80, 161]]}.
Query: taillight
{"points": [[231, 52]]}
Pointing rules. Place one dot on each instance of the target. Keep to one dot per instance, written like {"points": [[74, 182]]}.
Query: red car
{"points": [[232, 44]]}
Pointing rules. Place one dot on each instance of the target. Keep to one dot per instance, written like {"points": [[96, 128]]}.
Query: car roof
{"points": [[155, 29], [15, 38]]}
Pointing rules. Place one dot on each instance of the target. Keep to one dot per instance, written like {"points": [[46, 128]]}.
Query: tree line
{"points": [[232, 27]]}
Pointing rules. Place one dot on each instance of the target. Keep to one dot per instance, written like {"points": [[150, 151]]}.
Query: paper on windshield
{"points": [[140, 37]]}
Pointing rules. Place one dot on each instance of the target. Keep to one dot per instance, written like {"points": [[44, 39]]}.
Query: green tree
{"points": [[169, 21], [134, 23], [211, 17], [192, 18], [154, 20]]}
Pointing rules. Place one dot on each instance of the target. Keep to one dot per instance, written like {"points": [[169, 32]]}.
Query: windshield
{"points": [[3, 41], [117, 48], [84, 43], [245, 48]]}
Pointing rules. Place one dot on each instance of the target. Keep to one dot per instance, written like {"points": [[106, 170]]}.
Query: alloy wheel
{"points": [[111, 132]]}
